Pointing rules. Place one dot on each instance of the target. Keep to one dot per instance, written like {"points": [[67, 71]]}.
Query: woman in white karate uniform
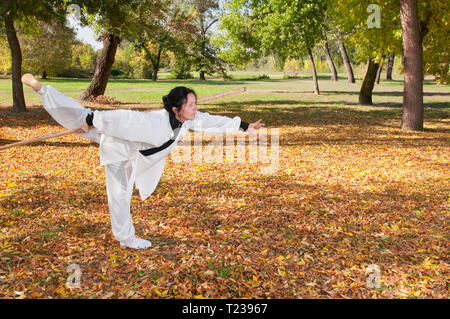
{"points": [[134, 145]]}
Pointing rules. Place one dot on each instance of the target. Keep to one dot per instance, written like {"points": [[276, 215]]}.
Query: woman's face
{"points": [[188, 109]]}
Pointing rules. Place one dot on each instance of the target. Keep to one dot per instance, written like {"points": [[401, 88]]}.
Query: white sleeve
{"points": [[128, 125], [215, 124]]}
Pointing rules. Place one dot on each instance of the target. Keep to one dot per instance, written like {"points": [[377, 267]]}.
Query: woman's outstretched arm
{"points": [[219, 124]]}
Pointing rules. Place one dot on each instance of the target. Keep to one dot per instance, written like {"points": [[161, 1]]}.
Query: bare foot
{"points": [[30, 80]]}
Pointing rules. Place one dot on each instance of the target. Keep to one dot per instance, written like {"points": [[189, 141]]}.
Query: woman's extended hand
{"points": [[85, 128], [252, 127]]}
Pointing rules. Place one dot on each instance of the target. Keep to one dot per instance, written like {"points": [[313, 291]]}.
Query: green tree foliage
{"points": [[5, 55], [435, 28], [22, 13], [112, 20], [284, 28], [113, 16], [351, 18], [132, 63], [46, 51], [203, 53], [83, 59], [181, 67], [371, 42], [431, 23], [161, 27], [238, 42]]}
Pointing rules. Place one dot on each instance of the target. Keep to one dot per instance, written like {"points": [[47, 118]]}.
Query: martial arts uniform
{"points": [[133, 148]]}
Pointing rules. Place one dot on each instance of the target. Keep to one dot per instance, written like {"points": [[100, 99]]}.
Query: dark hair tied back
{"points": [[177, 97]]}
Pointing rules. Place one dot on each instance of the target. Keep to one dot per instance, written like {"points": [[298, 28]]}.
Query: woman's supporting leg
{"points": [[119, 201]]}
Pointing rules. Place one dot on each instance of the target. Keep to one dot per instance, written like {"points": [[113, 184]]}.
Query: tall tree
{"points": [[390, 67], [406, 27], [345, 58], [16, 13], [370, 41], [330, 60], [424, 25], [103, 66], [203, 52], [314, 72], [412, 118], [379, 70], [335, 24], [365, 93], [290, 29], [111, 21], [162, 27], [16, 65]]}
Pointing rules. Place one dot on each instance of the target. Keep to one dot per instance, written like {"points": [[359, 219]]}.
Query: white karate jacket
{"points": [[124, 133]]}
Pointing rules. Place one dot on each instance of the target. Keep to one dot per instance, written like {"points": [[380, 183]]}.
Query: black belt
{"points": [[154, 150]]}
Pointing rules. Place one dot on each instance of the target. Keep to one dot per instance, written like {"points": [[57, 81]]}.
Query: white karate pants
{"points": [[70, 114], [119, 200]]}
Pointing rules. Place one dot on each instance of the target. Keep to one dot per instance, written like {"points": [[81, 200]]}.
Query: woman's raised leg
{"points": [[63, 109]]}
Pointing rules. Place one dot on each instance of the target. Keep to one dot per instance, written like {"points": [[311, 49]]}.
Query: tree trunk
{"points": [[365, 94], [103, 67], [16, 66], [330, 61], [202, 76], [348, 66], [412, 118], [390, 66], [44, 75], [314, 73], [379, 70], [156, 65]]}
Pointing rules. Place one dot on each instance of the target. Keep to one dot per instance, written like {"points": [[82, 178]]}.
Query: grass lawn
{"points": [[351, 190]]}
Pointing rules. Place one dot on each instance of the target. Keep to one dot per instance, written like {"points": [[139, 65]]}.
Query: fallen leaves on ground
{"points": [[345, 196]]}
